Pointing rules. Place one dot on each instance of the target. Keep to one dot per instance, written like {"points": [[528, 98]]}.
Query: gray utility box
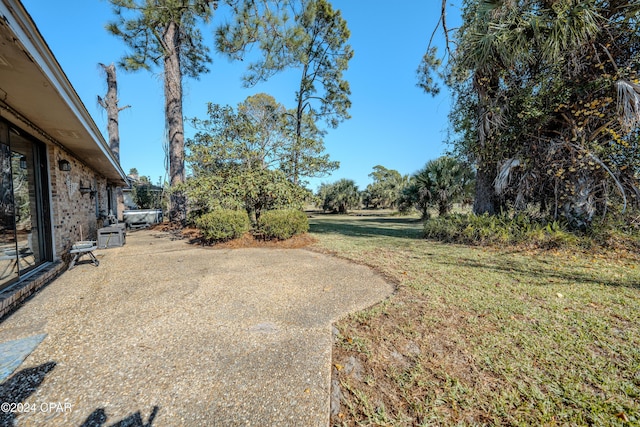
{"points": [[111, 237]]}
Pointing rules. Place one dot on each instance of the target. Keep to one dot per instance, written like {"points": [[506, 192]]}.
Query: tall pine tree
{"points": [[314, 41], [163, 33]]}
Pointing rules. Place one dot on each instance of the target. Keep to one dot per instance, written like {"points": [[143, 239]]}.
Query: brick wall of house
{"points": [[77, 214]]}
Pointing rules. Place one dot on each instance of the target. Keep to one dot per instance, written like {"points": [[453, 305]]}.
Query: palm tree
{"points": [[386, 189], [340, 196], [506, 48], [416, 195], [442, 182]]}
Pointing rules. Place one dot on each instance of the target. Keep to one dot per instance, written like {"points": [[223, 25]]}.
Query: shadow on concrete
{"points": [[98, 418], [17, 388]]}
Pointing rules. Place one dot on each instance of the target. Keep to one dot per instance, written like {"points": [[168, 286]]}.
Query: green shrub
{"points": [[617, 231], [339, 197], [282, 224], [500, 230], [220, 225], [252, 190]]}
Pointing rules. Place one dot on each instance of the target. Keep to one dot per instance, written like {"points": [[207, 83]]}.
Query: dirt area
{"points": [[194, 236]]}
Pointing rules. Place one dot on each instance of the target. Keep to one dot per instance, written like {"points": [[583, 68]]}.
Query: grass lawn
{"points": [[479, 336]]}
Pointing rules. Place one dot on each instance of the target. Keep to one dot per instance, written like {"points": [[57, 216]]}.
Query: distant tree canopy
{"points": [[146, 196], [248, 137], [441, 183], [256, 133], [311, 36], [386, 188], [548, 104], [339, 197]]}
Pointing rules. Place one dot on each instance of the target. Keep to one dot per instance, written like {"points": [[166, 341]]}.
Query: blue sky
{"points": [[393, 124]]}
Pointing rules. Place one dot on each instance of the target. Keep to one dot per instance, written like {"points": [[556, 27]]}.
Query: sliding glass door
{"points": [[7, 211], [24, 242]]}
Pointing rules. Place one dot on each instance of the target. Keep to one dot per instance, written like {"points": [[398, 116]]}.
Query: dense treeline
{"points": [[547, 105], [438, 185]]}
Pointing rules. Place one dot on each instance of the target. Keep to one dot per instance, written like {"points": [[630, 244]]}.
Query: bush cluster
{"points": [[521, 229], [282, 224], [618, 231], [499, 230], [253, 191], [221, 225]]}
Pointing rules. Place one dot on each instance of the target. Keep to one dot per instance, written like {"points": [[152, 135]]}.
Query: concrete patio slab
{"points": [[166, 333]]}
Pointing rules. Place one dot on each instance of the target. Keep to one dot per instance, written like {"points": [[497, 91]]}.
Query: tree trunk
{"points": [[174, 120], [484, 201], [295, 156], [110, 103], [443, 208]]}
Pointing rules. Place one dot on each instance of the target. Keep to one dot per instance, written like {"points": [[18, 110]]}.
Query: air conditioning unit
{"points": [[112, 236]]}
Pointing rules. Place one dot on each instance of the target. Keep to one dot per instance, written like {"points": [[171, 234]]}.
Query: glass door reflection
{"points": [[8, 249], [21, 242], [25, 202]]}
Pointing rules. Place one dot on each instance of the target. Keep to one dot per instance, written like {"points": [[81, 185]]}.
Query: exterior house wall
{"points": [[77, 214], [47, 122]]}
